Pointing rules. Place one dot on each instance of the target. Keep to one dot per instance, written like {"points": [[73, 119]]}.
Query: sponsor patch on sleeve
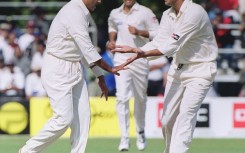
{"points": [[154, 19], [175, 36]]}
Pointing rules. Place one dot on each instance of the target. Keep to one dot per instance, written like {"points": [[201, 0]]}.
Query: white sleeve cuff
{"points": [[97, 71]]}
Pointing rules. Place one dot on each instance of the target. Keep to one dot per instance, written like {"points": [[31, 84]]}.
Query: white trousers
{"points": [[133, 80], [67, 90], [181, 103]]}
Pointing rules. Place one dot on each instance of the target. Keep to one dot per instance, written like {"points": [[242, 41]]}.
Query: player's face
{"points": [[91, 4], [129, 3], [170, 2]]}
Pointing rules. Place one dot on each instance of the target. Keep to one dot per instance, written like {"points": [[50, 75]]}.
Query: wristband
{"points": [[97, 71]]}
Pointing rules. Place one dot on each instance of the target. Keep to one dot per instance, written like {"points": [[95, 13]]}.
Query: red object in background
{"points": [[239, 115], [159, 114], [226, 5]]}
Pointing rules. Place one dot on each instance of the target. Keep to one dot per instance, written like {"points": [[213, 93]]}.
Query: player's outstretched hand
{"points": [[123, 49], [115, 69], [139, 54], [103, 87]]}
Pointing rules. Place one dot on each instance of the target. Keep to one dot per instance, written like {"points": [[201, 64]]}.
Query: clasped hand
{"points": [[128, 49]]}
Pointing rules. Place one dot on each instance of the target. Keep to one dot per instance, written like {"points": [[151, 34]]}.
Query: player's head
{"points": [[91, 4], [171, 2], [129, 3]]}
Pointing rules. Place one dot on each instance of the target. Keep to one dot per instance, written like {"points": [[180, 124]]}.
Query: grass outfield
{"points": [[10, 144]]}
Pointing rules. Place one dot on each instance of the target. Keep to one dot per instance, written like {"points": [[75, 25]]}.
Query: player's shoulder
{"points": [[198, 9], [144, 8], [197, 12], [115, 10], [166, 12]]}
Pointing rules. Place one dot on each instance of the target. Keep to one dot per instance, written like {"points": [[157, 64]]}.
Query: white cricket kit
{"points": [[189, 38], [33, 86], [135, 78], [62, 77]]}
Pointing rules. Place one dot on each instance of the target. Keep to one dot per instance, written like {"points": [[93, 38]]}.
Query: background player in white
{"points": [[69, 43], [186, 34], [131, 24]]}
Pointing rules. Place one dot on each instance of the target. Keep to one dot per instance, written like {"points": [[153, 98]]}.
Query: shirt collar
{"points": [[135, 7], [83, 7], [183, 7]]}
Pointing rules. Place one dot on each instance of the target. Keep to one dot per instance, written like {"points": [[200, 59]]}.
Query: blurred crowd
{"points": [[22, 50]]}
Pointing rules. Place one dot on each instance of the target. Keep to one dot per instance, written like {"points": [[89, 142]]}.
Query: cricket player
{"points": [[186, 34], [131, 24], [69, 44]]}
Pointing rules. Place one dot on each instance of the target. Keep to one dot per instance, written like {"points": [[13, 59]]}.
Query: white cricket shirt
{"points": [[68, 36], [140, 17], [188, 37]]}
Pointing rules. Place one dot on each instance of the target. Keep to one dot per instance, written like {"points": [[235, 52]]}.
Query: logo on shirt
{"points": [[175, 36], [154, 19]]}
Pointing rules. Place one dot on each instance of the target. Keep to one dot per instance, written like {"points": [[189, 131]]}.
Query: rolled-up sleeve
{"points": [[111, 24], [97, 71], [151, 24], [159, 39]]}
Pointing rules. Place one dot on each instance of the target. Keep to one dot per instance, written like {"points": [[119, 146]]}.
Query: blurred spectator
{"points": [[12, 81], [39, 54], [28, 37], [225, 5], [41, 23], [33, 85], [19, 60], [2, 67], [242, 29], [155, 76], [109, 77], [6, 51], [242, 77], [223, 36]]}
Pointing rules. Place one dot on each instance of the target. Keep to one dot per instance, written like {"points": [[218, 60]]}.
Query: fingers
{"points": [[118, 74], [118, 49], [104, 93]]}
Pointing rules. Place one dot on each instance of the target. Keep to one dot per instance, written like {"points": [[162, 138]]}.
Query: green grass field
{"points": [[11, 144]]}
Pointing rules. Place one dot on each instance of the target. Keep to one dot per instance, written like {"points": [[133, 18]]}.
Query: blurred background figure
{"points": [[12, 80], [6, 51], [33, 85], [155, 76], [26, 39], [242, 77], [109, 78], [38, 56], [40, 21]]}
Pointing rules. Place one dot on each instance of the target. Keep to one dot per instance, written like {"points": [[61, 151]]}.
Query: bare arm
{"points": [[112, 40], [134, 31], [101, 63], [139, 53]]}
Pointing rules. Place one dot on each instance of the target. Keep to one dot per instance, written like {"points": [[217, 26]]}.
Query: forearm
{"points": [[101, 63], [149, 53], [143, 33], [112, 36]]}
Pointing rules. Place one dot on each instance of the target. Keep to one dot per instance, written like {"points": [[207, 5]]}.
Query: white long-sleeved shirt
{"points": [[188, 37], [68, 36], [140, 17]]}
